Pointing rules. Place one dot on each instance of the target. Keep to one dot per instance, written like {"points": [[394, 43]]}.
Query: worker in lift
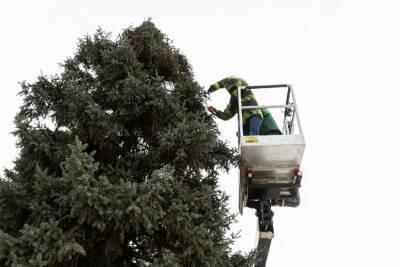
{"points": [[252, 119]]}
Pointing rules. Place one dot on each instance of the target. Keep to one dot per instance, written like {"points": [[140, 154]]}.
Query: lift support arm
{"points": [[264, 214], [262, 251]]}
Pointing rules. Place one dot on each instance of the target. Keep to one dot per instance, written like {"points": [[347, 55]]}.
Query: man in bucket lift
{"points": [[252, 119]]}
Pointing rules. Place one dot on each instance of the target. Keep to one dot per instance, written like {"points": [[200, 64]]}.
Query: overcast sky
{"points": [[342, 58]]}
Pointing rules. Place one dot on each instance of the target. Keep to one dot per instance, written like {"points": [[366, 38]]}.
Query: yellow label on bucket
{"points": [[251, 139]]}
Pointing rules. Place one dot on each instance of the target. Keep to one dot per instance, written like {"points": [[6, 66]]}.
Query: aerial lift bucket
{"points": [[270, 166]]}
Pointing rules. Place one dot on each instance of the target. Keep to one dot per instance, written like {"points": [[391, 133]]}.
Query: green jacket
{"points": [[248, 99], [268, 124]]}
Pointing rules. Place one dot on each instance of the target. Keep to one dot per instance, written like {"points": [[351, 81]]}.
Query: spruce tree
{"points": [[118, 163]]}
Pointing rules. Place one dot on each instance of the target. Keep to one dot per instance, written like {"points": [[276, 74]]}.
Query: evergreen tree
{"points": [[118, 163]]}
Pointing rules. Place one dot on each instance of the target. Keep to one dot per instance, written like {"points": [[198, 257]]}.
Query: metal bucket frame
{"points": [[273, 158], [289, 104]]}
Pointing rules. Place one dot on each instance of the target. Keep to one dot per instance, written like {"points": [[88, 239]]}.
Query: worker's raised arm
{"points": [[227, 83], [214, 87], [228, 113], [231, 84]]}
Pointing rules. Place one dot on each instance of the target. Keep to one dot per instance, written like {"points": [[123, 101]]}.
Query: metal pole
{"points": [[285, 126], [293, 121], [293, 115], [267, 86], [240, 116], [268, 106], [297, 111]]}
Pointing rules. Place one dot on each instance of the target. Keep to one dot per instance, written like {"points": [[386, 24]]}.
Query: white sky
{"points": [[342, 58]]}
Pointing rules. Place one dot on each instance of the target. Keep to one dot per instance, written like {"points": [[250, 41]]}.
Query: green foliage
{"points": [[118, 163], [43, 245]]}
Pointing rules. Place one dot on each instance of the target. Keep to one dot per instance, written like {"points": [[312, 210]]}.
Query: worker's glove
{"points": [[211, 89], [212, 109]]}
